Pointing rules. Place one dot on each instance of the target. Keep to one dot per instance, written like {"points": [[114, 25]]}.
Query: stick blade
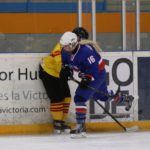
{"points": [[132, 129]]}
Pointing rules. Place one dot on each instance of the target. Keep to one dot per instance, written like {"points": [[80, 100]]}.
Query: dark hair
{"points": [[81, 32]]}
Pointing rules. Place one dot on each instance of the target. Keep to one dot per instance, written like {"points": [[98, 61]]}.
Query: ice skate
{"points": [[78, 132], [126, 99], [65, 128], [60, 126], [128, 102], [118, 98], [57, 126]]}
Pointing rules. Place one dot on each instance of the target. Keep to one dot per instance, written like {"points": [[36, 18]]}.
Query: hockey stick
{"points": [[131, 129], [98, 91]]}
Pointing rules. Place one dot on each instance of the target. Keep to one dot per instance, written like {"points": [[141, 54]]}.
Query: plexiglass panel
{"points": [[36, 25]]}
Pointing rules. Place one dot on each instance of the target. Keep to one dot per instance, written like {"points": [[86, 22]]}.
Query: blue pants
{"points": [[83, 95], [86, 94]]}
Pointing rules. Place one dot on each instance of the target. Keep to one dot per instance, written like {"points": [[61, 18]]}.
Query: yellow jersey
{"points": [[51, 64]]}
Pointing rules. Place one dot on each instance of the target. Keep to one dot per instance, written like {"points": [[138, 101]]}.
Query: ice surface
{"points": [[94, 141]]}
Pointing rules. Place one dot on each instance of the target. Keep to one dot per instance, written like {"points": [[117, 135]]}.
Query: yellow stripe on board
{"points": [[58, 23], [114, 127], [25, 129], [91, 127]]}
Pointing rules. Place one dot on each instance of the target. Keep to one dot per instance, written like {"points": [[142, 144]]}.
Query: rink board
{"points": [[25, 105], [91, 127]]}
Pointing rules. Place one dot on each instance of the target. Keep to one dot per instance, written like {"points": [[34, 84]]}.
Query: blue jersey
{"points": [[86, 60]]}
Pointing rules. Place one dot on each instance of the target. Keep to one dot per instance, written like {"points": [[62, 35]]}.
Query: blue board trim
{"points": [[50, 7]]}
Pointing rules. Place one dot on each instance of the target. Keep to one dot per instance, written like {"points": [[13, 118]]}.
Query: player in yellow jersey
{"points": [[57, 88]]}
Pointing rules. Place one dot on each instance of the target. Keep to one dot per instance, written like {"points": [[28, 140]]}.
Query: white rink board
{"points": [[119, 67], [23, 98]]}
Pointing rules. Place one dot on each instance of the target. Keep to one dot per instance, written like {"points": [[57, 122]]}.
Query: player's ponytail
{"points": [[94, 44]]}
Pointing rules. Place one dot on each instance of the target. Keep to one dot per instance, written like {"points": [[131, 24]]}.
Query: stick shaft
{"points": [[98, 91], [124, 128]]}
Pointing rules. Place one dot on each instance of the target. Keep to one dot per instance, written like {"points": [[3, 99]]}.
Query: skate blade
{"points": [[132, 129], [78, 136], [127, 108], [57, 131], [66, 131]]}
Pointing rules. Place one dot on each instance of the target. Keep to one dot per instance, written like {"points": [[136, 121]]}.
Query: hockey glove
{"points": [[85, 80], [66, 72]]}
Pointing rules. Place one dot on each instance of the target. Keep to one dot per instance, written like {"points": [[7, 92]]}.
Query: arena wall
{"points": [[25, 106], [46, 23]]}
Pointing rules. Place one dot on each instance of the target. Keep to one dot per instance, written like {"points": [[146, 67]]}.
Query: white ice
{"points": [[94, 141]]}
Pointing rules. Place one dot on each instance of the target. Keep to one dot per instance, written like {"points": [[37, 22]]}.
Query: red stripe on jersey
{"points": [[102, 65], [56, 53]]}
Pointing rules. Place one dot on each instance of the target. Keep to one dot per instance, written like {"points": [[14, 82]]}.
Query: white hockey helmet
{"points": [[69, 41]]}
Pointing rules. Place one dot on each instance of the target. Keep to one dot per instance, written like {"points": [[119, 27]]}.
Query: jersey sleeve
{"points": [[56, 54]]}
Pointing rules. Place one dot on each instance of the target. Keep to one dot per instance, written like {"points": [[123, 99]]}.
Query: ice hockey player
{"points": [[57, 88], [90, 66], [83, 35]]}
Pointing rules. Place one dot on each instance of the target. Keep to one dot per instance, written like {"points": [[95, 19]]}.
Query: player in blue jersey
{"points": [[90, 66]]}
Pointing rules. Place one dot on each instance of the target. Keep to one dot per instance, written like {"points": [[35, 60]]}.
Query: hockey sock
{"points": [[66, 105], [56, 110], [81, 113]]}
